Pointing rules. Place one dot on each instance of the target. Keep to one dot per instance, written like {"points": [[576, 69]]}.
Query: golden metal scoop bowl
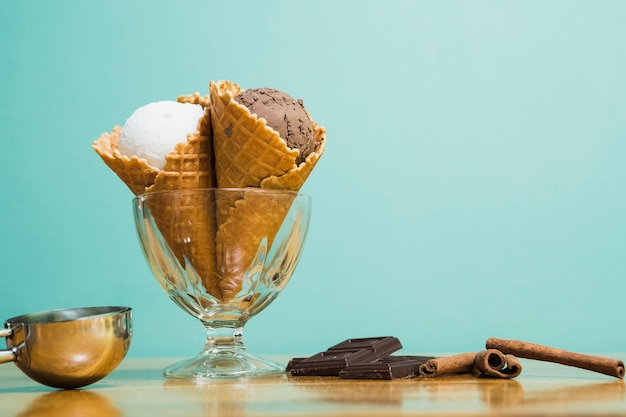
{"points": [[68, 348]]}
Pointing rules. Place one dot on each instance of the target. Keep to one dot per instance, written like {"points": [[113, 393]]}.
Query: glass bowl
{"points": [[222, 255]]}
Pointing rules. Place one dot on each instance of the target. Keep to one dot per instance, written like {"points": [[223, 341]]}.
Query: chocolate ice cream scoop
{"points": [[284, 114]]}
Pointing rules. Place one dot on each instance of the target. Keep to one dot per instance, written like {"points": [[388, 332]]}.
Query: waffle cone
{"points": [[189, 166], [134, 172], [248, 153]]}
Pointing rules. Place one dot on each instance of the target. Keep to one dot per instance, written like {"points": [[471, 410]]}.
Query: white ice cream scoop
{"points": [[153, 130]]}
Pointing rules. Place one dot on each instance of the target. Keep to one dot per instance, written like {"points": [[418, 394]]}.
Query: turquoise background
{"points": [[473, 183]]}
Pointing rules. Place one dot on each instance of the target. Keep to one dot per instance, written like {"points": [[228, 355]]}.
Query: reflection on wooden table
{"points": [[138, 389]]}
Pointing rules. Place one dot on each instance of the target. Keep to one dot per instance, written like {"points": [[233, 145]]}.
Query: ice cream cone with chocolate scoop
{"points": [[188, 166], [249, 153]]}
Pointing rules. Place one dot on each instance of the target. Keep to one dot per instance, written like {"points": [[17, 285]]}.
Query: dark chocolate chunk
{"points": [[343, 355], [391, 367], [293, 362], [374, 344]]}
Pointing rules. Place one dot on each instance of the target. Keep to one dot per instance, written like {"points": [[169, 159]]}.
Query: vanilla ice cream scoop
{"points": [[153, 130]]}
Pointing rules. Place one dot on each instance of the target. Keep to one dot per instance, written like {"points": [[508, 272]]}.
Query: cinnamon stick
{"points": [[607, 366], [457, 364], [487, 362], [494, 363]]}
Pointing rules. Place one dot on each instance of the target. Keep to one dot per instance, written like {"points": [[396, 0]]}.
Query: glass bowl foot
{"points": [[224, 365]]}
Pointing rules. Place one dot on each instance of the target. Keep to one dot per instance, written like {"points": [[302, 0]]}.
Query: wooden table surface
{"points": [[137, 388]]}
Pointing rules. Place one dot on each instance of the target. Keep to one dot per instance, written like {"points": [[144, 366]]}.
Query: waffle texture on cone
{"points": [[258, 218], [134, 172], [190, 161], [248, 153], [296, 176], [188, 166], [187, 223]]}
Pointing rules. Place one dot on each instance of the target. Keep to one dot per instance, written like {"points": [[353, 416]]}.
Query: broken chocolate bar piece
{"points": [[293, 362], [391, 367], [343, 355]]}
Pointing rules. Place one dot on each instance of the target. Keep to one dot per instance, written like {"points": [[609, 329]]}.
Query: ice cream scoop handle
{"points": [[7, 355]]}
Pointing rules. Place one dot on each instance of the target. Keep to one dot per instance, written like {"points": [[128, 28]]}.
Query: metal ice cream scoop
{"points": [[68, 348]]}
